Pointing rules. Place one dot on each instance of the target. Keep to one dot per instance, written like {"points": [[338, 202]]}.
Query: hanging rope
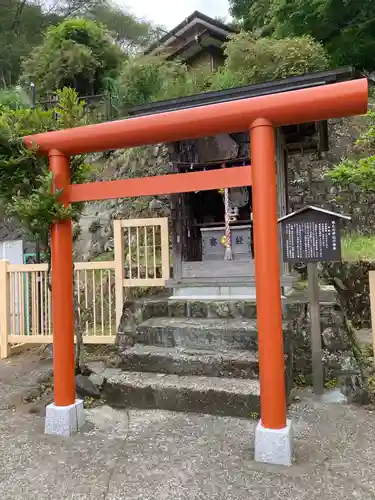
{"points": [[228, 255]]}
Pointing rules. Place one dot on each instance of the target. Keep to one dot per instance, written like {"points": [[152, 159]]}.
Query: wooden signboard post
{"points": [[312, 235]]}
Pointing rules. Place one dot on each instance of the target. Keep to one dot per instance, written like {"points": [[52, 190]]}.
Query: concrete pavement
{"points": [[160, 455]]}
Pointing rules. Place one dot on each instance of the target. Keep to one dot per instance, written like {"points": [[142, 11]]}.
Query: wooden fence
{"points": [[141, 259], [141, 254], [26, 304]]}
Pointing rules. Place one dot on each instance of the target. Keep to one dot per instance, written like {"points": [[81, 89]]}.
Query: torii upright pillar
{"points": [[64, 416], [273, 438]]}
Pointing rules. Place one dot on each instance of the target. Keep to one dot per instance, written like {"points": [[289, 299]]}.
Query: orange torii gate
{"points": [[259, 114]]}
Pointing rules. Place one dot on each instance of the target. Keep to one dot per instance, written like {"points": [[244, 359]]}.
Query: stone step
{"points": [[188, 333], [217, 396], [232, 308], [191, 308], [172, 360]]}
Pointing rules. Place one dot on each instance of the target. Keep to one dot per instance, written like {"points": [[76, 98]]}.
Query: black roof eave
{"points": [[195, 15], [178, 53], [314, 209], [244, 92]]}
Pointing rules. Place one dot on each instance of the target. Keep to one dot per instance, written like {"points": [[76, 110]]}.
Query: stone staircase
{"points": [[189, 355]]}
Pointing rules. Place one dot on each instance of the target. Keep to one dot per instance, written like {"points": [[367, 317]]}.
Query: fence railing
{"points": [[98, 108], [141, 259], [26, 304], [95, 297]]}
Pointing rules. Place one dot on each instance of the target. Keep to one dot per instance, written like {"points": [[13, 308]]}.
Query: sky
{"points": [[169, 13]]}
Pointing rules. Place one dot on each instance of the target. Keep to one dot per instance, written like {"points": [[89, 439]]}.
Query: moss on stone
{"points": [[221, 309], [177, 308], [198, 309]]}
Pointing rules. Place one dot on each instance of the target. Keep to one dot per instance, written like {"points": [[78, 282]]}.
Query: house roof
{"points": [[214, 26], [315, 209]]}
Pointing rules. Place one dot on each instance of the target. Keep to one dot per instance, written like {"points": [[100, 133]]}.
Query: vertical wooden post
{"points": [[119, 269], [62, 291], [281, 190], [316, 339], [372, 303], [164, 243], [176, 236], [267, 271], [4, 309]]}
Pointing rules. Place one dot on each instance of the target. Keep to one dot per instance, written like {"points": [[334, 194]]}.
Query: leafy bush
{"points": [[251, 60], [354, 172], [349, 173], [151, 78], [14, 98], [25, 180], [77, 53]]}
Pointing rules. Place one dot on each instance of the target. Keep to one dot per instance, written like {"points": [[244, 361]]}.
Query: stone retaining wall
{"points": [[343, 363], [351, 280]]}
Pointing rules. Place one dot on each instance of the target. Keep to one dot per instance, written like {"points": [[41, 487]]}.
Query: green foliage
{"points": [[151, 78], [300, 380], [249, 60], [127, 31], [14, 97], [346, 27], [37, 211], [77, 53], [331, 383], [358, 247], [254, 15], [254, 415], [25, 180], [23, 23], [21, 27], [350, 173], [367, 138], [354, 172]]}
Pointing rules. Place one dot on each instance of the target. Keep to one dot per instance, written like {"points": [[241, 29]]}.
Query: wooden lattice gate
{"points": [[141, 254]]}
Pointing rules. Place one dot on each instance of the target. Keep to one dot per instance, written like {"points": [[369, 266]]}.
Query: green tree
{"points": [[24, 22], [26, 185], [21, 28], [25, 181], [78, 53], [129, 33], [71, 8], [345, 27], [253, 15]]}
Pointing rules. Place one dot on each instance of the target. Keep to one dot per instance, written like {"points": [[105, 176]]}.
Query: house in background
{"points": [[198, 41]]}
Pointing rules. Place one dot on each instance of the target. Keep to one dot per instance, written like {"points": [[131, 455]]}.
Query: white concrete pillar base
{"points": [[274, 446], [64, 420]]}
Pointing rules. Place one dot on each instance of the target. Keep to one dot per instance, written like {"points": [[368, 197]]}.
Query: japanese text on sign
{"points": [[305, 241]]}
